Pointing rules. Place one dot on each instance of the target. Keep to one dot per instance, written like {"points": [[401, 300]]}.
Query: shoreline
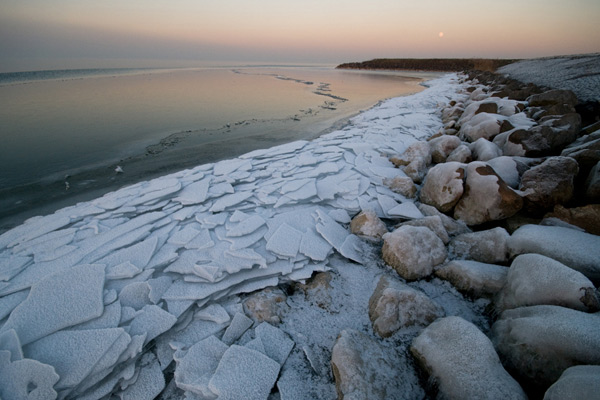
{"points": [[169, 155]]}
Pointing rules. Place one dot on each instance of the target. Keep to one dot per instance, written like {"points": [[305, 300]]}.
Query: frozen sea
{"points": [[64, 132]]}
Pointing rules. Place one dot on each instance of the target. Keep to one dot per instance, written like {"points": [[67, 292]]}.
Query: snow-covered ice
{"points": [[110, 293]]}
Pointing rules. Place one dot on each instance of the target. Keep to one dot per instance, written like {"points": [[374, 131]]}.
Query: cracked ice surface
{"points": [[99, 299]]}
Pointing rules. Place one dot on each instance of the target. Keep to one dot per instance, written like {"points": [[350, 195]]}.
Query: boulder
{"points": [[268, 305], [507, 169], [413, 251], [434, 223], [452, 226], [585, 150], [474, 278], [484, 150], [461, 154], [539, 343], [415, 160], [578, 382], [553, 97], [488, 246], [442, 146], [586, 217], [462, 362], [317, 289], [534, 279], [368, 224], [577, 250], [487, 197], [549, 184], [395, 305], [592, 184], [549, 137], [402, 185], [482, 125], [365, 370], [486, 107], [443, 186], [452, 113]]}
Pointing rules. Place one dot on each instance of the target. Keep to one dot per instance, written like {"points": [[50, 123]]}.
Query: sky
{"points": [[55, 34]]}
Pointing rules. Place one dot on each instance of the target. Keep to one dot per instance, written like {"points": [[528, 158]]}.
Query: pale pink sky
{"points": [[38, 34]]}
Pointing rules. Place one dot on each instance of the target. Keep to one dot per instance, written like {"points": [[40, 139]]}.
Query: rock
{"points": [[415, 160], [443, 186], [538, 343], [577, 250], [365, 370], [461, 154], [484, 246], [402, 185], [442, 146], [474, 278], [491, 108], [434, 223], [413, 251], [559, 222], [452, 226], [484, 150], [592, 184], [317, 289], [507, 169], [549, 183], [395, 305], [585, 150], [579, 382], [368, 224], [452, 113], [549, 137], [267, 305], [487, 197], [480, 126], [462, 362], [553, 97], [534, 279], [586, 217]]}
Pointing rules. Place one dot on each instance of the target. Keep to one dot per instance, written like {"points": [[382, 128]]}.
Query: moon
{"points": [[441, 34]]}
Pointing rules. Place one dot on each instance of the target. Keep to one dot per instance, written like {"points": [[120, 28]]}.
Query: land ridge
{"points": [[430, 64]]}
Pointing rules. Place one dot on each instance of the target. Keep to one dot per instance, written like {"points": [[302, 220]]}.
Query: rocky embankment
{"points": [[510, 190]]}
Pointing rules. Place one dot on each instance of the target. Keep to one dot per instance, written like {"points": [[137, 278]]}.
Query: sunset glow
{"points": [[62, 33]]}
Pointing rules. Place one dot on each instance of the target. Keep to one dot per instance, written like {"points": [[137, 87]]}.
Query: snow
{"points": [[164, 263]]}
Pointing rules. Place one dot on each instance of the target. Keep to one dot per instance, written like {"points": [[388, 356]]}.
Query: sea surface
{"points": [[65, 132]]}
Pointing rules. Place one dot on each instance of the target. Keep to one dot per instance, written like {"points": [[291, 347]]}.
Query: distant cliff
{"points": [[430, 64]]}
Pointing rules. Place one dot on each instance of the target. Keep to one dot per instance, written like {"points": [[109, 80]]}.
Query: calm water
{"points": [[55, 123]]}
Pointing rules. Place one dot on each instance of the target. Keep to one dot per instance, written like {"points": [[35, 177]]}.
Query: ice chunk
{"points": [[158, 287], [313, 246], [152, 321], [109, 319], [212, 220], [202, 241], [73, 353], [406, 210], [8, 303], [185, 235], [213, 312], [26, 379], [226, 167], [194, 193], [149, 383], [135, 295], [351, 248], [155, 190], [246, 226], [59, 301], [219, 189], [11, 266], [340, 216], [276, 342], [34, 228], [238, 243], [196, 367], [9, 341], [331, 231], [244, 374], [239, 324], [256, 344], [285, 241], [230, 201], [122, 271]]}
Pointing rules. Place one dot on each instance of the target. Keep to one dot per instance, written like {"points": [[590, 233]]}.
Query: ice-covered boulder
{"points": [[368, 224], [462, 362], [488, 246], [461, 154], [577, 250], [487, 197], [474, 278], [443, 186], [452, 226], [507, 169], [414, 160], [482, 125], [395, 305], [578, 382], [413, 251], [434, 223], [365, 370], [484, 150], [538, 343], [553, 97], [442, 146], [534, 279], [549, 184], [585, 150], [586, 217], [592, 184], [267, 305], [402, 185]]}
